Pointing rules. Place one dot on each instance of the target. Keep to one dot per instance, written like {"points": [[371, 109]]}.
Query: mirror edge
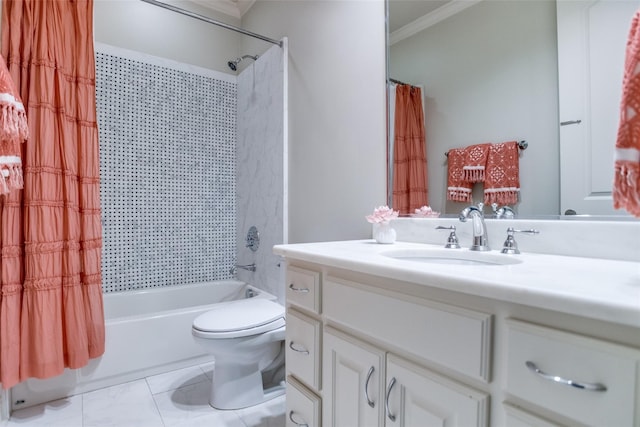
{"points": [[389, 157]]}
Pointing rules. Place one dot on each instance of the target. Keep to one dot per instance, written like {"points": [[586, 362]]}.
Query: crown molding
{"points": [[228, 7], [430, 19], [245, 5]]}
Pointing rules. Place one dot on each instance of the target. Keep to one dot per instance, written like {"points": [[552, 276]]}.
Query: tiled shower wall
{"points": [[261, 168], [168, 171]]}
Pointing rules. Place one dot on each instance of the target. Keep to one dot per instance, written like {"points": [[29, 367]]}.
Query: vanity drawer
{"points": [[303, 348], [516, 417], [453, 337], [303, 406], [581, 359], [303, 288]]}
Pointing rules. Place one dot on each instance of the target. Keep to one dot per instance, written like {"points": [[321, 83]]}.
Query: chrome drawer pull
{"points": [[295, 422], [391, 416], [366, 387], [303, 351], [584, 386], [303, 290]]}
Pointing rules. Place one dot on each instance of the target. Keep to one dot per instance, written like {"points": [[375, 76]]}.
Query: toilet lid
{"points": [[249, 313]]}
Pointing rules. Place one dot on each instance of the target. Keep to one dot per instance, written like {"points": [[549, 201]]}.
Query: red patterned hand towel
{"points": [[626, 181], [475, 162], [502, 178], [458, 189], [13, 131]]}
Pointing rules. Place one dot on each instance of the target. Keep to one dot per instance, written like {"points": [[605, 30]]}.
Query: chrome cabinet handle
{"points": [[366, 387], [295, 422], [293, 288], [571, 122], [391, 416], [303, 351], [559, 380]]}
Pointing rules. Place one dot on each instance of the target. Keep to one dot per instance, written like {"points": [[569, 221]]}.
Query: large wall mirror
{"points": [[496, 71]]}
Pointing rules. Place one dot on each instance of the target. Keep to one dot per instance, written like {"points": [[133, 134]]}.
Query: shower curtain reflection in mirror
{"points": [[409, 148]]}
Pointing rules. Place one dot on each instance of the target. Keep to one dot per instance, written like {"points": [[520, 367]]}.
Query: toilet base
{"points": [[240, 386]]}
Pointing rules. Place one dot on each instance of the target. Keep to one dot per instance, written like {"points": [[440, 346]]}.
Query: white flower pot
{"points": [[384, 233]]}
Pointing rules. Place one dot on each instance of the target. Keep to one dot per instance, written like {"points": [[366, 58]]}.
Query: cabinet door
{"points": [[303, 348], [416, 396], [303, 406], [516, 417], [353, 373]]}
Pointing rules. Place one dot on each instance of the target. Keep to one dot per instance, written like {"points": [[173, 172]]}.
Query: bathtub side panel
{"points": [[135, 346], [135, 349], [148, 301]]}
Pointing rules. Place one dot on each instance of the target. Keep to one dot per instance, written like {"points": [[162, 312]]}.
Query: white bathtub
{"points": [[148, 332]]}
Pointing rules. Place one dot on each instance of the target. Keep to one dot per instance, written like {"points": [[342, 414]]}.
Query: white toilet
{"points": [[246, 338]]}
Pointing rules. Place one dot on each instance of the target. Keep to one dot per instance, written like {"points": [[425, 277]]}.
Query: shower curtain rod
{"points": [[398, 82], [211, 21]]}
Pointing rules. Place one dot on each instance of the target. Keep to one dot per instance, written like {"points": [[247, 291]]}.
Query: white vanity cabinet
{"points": [[303, 351], [303, 406], [367, 387], [367, 384], [353, 377], [589, 381], [371, 350], [361, 371], [416, 396]]}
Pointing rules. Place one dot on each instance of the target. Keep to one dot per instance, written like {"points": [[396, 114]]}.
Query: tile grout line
{"points": [[155, 402]]}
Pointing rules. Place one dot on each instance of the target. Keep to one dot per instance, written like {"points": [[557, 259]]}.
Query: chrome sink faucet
{"points": [[504, 212], [480, 238]]}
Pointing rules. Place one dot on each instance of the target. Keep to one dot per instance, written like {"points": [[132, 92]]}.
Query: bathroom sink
{"points": [[452, 256]]}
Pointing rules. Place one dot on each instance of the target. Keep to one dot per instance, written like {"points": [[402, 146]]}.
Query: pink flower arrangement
{"points": [[425, 212], [382, 215]]}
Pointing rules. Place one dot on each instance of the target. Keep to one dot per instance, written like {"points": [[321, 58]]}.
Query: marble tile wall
{"points": [[261, 167], [168, 171]]}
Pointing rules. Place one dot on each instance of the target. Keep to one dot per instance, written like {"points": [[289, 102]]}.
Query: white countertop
{"points": [[601, 289]]}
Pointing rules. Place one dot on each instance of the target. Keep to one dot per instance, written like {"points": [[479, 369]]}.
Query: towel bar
{"points": [[521, 145]]}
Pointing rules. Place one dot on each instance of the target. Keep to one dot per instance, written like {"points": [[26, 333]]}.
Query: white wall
{"points": [[139, 26], [490, 75], [337, 101], [337, 111]]}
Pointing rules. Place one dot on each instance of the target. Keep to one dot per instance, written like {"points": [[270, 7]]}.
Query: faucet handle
{"points": [[510, 245], [505, 212], [452, 240]]}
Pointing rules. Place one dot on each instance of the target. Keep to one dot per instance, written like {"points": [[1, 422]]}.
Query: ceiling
{"points": [[409, 17], [406, 17], [403, 12], [235, 8]]}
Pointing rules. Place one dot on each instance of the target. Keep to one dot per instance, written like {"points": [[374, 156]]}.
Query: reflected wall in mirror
{"points": [[489, 70]]}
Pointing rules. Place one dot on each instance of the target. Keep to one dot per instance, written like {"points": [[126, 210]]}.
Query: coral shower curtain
{"points": [[409, 151], [51, 314]]}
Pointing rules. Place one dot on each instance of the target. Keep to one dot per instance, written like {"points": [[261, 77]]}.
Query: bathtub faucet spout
{"points": [[248, 267]]}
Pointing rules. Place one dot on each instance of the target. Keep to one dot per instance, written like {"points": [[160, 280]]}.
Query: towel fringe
{"points": [[4, 184], [473, 173], [15, 178], [626, 188], [10, 178], [13, 123], [459, 195], [502, 197]]}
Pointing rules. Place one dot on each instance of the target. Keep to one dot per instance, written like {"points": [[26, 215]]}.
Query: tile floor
{"points": [[178, 398]]}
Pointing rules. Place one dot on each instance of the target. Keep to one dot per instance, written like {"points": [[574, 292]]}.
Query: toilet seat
{"points": [[248, 317]]}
